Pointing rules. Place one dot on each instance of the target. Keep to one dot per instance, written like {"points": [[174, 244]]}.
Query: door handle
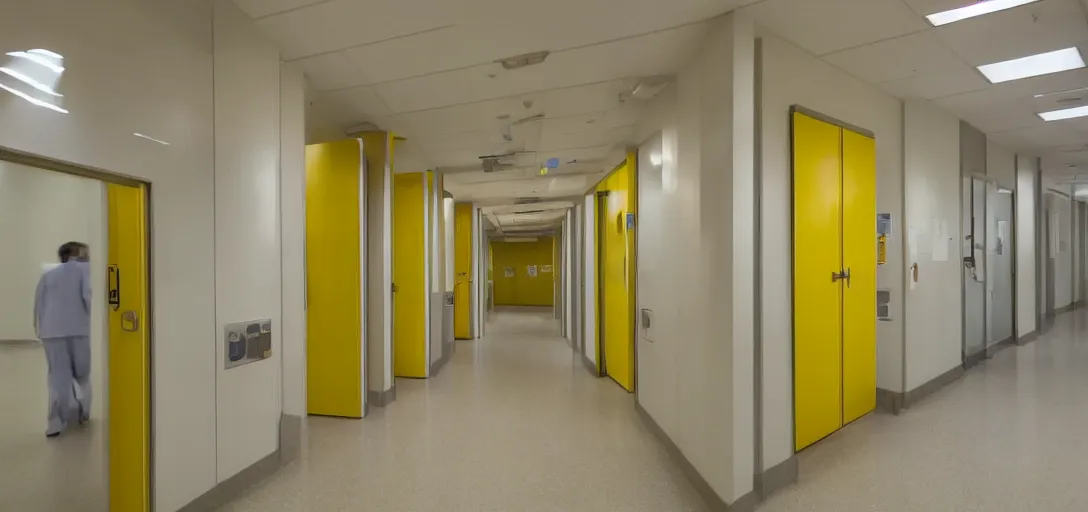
{"points": [[836, 276], [130, 318]]}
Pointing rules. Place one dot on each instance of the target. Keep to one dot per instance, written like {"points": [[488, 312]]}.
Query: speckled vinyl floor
{"points": [[513, 423], [1010, 436], [67, 473]]}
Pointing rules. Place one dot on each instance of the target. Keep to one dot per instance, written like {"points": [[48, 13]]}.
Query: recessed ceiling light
{"points": [[976, 9], [1065, 113], [1033, 65], [1067, 91]]}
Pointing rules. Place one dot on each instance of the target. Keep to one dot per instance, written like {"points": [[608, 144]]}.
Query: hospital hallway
{"points": [[513, 422], [517, 423]]}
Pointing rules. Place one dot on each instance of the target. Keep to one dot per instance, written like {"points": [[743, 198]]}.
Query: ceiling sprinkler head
{"points": [[527, 103]]}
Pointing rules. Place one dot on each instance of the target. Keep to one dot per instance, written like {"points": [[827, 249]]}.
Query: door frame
{"points": [[109, 178]]}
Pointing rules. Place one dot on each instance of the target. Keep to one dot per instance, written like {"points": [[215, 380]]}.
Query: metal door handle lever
{"points": [[835, 276]]}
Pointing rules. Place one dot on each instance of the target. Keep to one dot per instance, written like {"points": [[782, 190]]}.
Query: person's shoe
{"points": [[52, 435]]}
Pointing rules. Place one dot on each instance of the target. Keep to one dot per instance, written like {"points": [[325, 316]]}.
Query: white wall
{"points": [[247, 234], [793, 77], [1000, 164], [931, 180], [589, 276], [702, 334], [166, 90], [39, 211], [1063, 261], [293, 236]]}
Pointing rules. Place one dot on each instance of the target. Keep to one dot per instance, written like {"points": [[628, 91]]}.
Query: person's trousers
{"points": [[69, 361]]}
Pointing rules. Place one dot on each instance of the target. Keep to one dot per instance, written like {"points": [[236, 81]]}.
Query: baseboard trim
{"points": [[917, 394], [381, 398], [19, 343], [590, 366], [714, 502], [447, 354], [782, 475], [233, 487], [1001, 345], [974, 359], [889, 401], [1065, 309], [1027, 338]]}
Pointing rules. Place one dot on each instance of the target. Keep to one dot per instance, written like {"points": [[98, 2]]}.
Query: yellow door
{"points": [[859, 257], [334, 377], [409, 276], [462, 263], [129, 374], [817, 298]]}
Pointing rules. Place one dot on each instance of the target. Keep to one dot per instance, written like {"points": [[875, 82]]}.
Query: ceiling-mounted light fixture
{"points": [[978, 8], [1067, 91], [1065, 113], [1033, 65], [524, 60]]}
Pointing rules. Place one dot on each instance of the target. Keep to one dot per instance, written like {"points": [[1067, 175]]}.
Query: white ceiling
{"points": [[889, 43], [426, 70]]}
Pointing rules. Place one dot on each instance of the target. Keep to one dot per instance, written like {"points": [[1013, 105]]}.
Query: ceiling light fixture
{"points": [[33, 100], [524, 60], [1067, 91], [29, 81], [152, 139], [38, 59], [1065, 113], [1033, 65], [979, 8]]}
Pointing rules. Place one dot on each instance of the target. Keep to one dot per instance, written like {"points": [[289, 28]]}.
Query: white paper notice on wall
{"points": [[508, 271], [941, 240], [919, 242], [532, 270]]}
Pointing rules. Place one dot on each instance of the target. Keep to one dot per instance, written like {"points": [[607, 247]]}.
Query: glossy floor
{"points": [[1009, 436], [39, 474], [515, 423]]}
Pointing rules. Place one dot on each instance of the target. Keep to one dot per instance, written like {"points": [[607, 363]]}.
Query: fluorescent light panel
{"points": [[1033, 65], [33, 100], [979, 8], [1065, 113]]}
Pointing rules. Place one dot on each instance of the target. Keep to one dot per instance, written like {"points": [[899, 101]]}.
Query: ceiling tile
{"points": [[652, 54], [359, 103], [826, 26], [956, 80], [1014, 33], [554, 140], [1041, 135], [895, 59], [339, 24], [262, 8], [329, 71]]}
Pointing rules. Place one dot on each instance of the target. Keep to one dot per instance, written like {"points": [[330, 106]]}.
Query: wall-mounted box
{"points": [[246, 342]]}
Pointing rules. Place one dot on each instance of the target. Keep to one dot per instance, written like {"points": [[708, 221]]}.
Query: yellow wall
{"points": [[462, 264], [409, 276], [616, 271], [522, 289], [334, 321]]}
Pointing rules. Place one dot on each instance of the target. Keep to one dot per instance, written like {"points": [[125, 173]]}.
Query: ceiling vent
{"points": [[524, 60], [527, 200], [508, 161]]}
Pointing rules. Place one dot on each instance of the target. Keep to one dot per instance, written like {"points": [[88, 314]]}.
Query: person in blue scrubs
{"points": [[62, 320]]}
